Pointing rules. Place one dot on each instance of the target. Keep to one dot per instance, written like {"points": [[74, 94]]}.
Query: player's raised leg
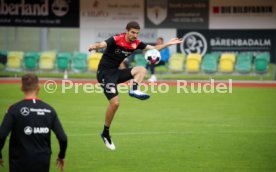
{"points": [[109, 115], [138, 74]]}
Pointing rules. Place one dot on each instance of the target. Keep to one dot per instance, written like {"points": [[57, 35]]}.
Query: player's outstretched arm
{"points": [[97, 45], [173, 41]]}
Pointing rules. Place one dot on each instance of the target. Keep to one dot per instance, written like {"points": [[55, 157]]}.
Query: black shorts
{"points": [[109, 79], [30, 164]]}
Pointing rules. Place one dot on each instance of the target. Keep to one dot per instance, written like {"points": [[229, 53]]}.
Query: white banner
{"points": [[242, 14], [110, 14], [90, 36]]}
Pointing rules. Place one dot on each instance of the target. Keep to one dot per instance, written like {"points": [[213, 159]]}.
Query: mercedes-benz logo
{"points": [[25, 111], [117, 51]]}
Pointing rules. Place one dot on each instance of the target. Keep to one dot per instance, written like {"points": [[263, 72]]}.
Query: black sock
{"points": [[134, 86], [106, 131]]}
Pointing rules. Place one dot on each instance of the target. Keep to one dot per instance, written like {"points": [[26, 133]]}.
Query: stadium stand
{"points": [[47, 60], [261, 63], [227, 62], [162, 68], [3, 59], [93, 61], [30, 60], [63, 60], [210, 63], [244, 63], [193, 63], [15, 60], [79, 62], [176, 62]]}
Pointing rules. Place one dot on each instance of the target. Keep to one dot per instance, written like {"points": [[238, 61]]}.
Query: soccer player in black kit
{"points": [[30, 122], [117, 48]]}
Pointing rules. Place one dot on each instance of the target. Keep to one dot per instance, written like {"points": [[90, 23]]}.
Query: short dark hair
{"points": [[29, 82], [132, 25]]}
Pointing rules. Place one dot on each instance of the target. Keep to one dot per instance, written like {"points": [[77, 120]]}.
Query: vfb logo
{"points": [[194, 42]]}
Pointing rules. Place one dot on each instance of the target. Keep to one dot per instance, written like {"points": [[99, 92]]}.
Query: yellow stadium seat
{"points": [[93, 61], [47, 60], [15, 60], [193, 62], [176, 62], [227, 62]]}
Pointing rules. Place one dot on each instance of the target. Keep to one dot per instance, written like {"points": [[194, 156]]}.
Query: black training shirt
{"points": [[30, 122], [117, 50]]}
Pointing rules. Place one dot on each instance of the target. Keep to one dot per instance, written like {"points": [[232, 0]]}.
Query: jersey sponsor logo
{"points": [[40, 111], [24, 111], [41, 130], [28, 130], [126, 53], [117, 51], [36, 130]]}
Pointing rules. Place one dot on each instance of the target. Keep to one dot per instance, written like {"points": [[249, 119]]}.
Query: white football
{"points": [[153, 56]]}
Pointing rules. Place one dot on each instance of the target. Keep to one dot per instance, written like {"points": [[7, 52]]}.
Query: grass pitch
{"points": [[170, 132]]}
